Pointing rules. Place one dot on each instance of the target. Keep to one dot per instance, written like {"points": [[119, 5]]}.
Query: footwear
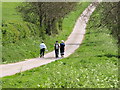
{"points": [[40, 56]]}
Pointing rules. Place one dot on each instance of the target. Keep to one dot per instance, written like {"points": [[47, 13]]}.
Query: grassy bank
{"points": [[93, 65], [9, 11], [25, 36]]}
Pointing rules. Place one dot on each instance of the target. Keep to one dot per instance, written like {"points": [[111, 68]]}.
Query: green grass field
{"points": [[9, 11], [93, 65], [29, 47], [0, 13]]}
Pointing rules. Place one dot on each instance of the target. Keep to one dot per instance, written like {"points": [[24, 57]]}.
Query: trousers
{"points": [[42, 51], [56, 52]]}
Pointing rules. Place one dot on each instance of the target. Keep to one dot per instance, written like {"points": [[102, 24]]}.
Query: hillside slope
{"points": [[21, 39]]}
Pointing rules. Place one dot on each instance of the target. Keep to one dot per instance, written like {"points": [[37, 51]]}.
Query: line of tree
{"points": [[111, 14], [47, 15], [109, 17]]}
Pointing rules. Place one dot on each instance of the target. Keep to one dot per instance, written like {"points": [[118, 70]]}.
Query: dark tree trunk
{"points": [[48, 28], [53, 25], [60, 24], [40, 20]]}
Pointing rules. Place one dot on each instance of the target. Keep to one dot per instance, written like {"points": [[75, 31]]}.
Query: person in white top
{"points": [[42, 49]]}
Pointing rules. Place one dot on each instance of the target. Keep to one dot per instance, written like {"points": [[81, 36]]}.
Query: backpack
{"points": [[56, 46]]}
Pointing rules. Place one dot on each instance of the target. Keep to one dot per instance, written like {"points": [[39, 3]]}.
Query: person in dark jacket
{"points": [[56, 46], [62, 48]]}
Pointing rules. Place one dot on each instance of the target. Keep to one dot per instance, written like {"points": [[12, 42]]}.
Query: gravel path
{"points": [[72, 43]]}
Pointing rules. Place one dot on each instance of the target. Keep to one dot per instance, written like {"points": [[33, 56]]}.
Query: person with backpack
{"points": [[62, 48], [42, 49], [56, 47]]}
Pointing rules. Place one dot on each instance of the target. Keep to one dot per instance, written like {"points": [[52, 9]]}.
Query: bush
{"points": [[13, 31]]}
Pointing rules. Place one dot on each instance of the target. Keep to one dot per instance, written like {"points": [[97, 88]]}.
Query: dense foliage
{"points": [[46, 14], [14, 31], [110, 18], [39, 19]]}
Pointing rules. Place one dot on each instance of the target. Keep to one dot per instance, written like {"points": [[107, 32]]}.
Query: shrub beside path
{"points": [[73, 42]]}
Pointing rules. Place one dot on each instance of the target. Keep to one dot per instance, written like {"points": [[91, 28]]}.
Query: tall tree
{"points": [[46, 14]]}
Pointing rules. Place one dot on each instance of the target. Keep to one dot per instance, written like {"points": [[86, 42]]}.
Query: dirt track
{"points": [[72, 43]]}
